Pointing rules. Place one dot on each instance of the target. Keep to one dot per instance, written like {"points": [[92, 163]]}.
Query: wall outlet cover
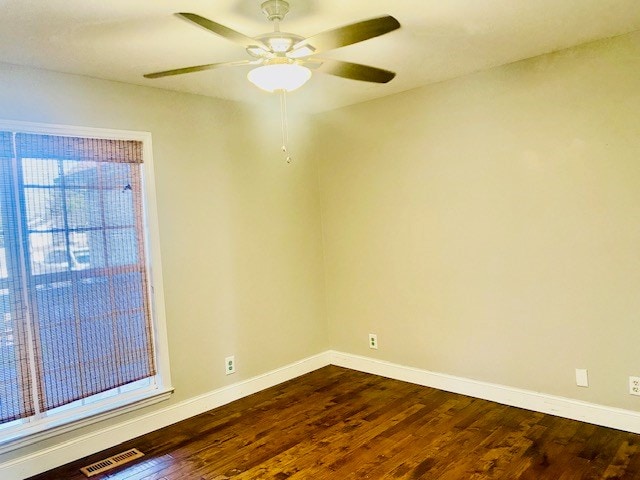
{"points": [[230, 365], [634, 385]]}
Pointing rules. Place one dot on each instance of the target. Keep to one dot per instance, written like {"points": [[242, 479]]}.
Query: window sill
{"points": [[47, 428]]}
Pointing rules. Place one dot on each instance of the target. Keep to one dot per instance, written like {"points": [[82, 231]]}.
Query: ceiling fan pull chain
{"points": [[285, 125]]}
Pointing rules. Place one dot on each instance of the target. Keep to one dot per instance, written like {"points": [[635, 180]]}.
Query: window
{"points": [[79, 331]]}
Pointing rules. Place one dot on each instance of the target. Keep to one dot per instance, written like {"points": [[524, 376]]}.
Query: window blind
{"points": [[74, 288], [16, 387]]}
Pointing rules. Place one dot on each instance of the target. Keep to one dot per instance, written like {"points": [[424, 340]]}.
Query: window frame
{"points": [[29, 431]]}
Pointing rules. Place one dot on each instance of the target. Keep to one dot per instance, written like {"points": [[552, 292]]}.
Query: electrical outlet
{"points": [[373, 341], [230, 365], [634, 385]]}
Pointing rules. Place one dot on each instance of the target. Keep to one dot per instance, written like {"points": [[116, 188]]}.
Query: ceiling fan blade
{"points": [[200, 68], [353, 71], [348, 35], [223, 31]]}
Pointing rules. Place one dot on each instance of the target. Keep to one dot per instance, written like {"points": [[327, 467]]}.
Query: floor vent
{"points": [[111, 462]]}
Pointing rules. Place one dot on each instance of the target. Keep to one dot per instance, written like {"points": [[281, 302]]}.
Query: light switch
{"points": [[582, 378]]}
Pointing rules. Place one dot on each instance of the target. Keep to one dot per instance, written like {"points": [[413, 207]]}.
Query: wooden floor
{"points": [[340, 424]]}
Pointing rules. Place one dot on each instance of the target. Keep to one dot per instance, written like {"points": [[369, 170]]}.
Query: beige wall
{"points": [[239, 228], [489, 227]]}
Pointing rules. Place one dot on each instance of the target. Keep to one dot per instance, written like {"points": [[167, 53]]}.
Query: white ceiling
{"points": [[439, 39]]}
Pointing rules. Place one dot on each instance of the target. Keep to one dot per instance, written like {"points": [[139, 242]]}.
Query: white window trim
{"points": [[162, 388]]}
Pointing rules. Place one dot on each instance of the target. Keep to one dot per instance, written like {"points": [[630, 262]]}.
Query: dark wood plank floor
{"points": [[340, 424]]}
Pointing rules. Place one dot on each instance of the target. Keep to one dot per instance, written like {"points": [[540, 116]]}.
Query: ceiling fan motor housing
{"points": [[275, 10]]}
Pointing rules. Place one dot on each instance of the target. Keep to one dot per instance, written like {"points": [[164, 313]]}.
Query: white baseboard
{"points": [[627, 420], [88, 444], [84, 445]]}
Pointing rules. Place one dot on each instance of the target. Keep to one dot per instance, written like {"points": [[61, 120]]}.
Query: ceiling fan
{"points": [[284, 60]]}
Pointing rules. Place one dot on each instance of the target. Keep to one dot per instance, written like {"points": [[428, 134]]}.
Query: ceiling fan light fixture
{"points": [[279, 76]]}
